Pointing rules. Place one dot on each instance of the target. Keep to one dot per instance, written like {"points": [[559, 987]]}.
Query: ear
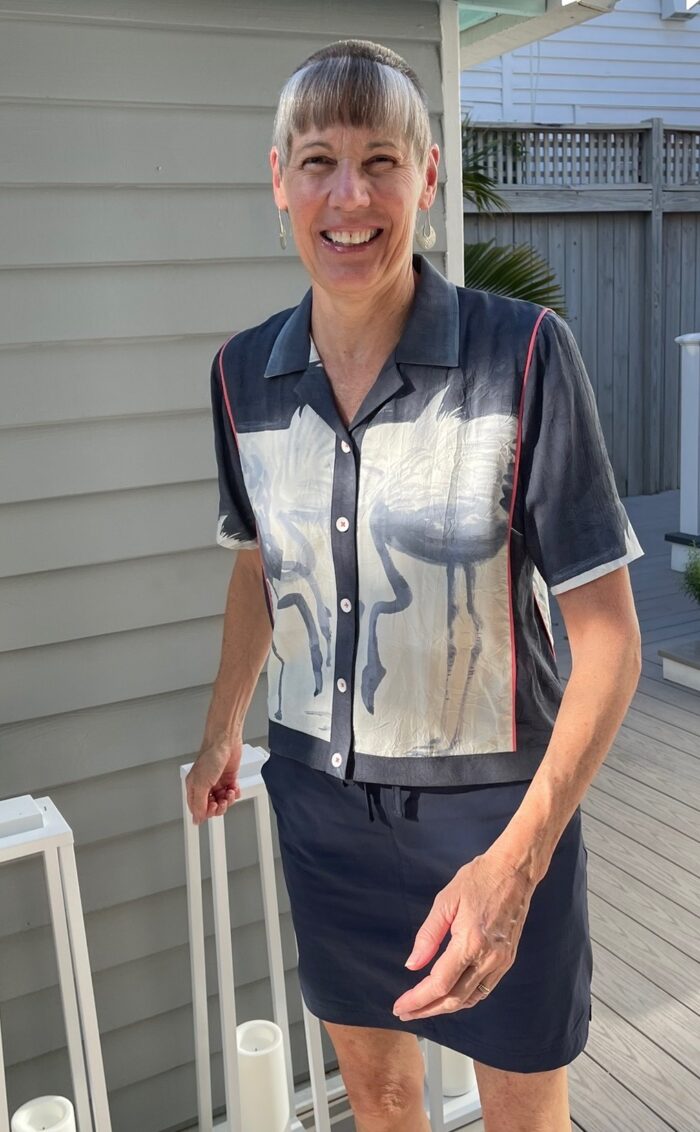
{"points": [[277, 179], [430, 182]]}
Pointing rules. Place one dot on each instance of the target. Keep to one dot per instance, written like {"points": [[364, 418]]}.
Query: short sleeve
{"points": [[236, 527], [574, 524]]}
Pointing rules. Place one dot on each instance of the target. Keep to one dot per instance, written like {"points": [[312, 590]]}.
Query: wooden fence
{"points": [[615, 211]]}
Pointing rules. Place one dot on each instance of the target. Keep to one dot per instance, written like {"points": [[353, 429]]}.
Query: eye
{"points": [[318, 157], [385, 157]]}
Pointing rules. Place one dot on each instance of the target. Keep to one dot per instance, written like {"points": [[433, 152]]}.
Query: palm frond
{"points": [[516, 271]]}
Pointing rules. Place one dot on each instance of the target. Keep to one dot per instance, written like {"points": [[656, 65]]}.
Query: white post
{"points": [[4, 1111], [690, 449], [83, 984], [198, 971], [71, 1012], [30, 827], [452, 132]]}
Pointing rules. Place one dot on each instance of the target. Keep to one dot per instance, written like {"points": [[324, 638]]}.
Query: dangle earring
{"points": [[426, 236], [283, 234]]}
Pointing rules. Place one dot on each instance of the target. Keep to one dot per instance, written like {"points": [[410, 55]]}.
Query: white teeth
{"points": [[352, 237]]}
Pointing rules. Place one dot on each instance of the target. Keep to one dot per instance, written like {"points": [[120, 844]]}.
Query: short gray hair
{"points": [[353, 82]]}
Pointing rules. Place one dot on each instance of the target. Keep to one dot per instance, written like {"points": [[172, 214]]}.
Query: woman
{"points": [[404, 466]]}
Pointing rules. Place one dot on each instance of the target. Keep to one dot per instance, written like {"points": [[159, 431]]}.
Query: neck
{"points": [[351, 328]]}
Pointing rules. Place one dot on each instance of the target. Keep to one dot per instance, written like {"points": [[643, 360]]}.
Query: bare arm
{"points": [[247, 635], [601, 623], [212, 783]]}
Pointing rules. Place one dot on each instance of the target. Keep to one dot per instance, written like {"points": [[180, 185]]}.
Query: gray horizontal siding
{"points": [[413, 20], [103, 527], [75, 675], [83, 381], [140, 232], [97, 600], [41, 463], [216, 66]]}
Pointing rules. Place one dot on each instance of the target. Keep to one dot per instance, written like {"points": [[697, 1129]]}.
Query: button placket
{"points": [[345, 564]]}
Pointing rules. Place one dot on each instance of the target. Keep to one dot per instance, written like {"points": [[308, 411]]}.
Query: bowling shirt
{"points": [[407, 558]]}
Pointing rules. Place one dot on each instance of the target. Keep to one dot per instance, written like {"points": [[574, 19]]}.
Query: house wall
{"points": [[623, 66], [138, 233]]}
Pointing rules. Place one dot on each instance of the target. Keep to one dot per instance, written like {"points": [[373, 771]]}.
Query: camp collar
{"points": [[430, 335]]}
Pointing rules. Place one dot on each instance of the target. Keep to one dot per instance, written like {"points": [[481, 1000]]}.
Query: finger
{"points": [[223, 799], [198, 808], [429, 936], [446, 971], [459, 998], [197, 798]]}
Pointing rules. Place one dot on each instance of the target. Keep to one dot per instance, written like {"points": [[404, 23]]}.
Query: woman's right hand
{"points": [[212, 782]]}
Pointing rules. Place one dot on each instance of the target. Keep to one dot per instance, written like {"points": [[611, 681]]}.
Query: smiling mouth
{"points": [[350, 239]]}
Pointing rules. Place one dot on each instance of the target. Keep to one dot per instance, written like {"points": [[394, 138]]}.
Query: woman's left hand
{"points": [[484, 906]]}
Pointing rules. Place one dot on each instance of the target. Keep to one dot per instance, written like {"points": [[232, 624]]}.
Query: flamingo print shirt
{"points": [[407, 559]]}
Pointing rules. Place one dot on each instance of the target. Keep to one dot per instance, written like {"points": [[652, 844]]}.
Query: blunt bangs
{"points": [[354, 83]]}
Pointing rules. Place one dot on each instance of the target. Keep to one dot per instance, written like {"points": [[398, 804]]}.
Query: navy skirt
{"points": [[362, 864]]}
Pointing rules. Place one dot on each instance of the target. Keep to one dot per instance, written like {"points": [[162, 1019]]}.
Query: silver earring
{"points": [[426, 236], [283, 234]]}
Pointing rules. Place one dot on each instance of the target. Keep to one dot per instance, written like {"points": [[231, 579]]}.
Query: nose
{"points": [[349, 187]]}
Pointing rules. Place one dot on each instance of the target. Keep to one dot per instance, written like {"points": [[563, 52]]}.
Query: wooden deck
{"points": [[640, 1071]]}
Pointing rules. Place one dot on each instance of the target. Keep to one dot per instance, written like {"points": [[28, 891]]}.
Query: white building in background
{"points": [[639, 60]]}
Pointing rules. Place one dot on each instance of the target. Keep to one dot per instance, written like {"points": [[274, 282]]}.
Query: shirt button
{"points": [[345, 446], [342, 523], [341, 685], [345, 604], [336, 758]]}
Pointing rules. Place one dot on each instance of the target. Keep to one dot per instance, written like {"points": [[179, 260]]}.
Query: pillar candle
{"points": [[45, 1114]]}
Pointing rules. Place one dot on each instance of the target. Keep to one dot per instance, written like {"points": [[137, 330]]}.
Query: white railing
{"points": [[446, 1114], [690, 451], [32, 827]]}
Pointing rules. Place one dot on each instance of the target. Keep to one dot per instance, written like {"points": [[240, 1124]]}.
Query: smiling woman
{"points": [[352, 162], [416, 462]]}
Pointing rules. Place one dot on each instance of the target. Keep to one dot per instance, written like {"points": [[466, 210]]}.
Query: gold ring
{"points": [[483, 989]]}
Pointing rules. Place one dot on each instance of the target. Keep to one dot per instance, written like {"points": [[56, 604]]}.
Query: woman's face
{"points": [[346, 180]]}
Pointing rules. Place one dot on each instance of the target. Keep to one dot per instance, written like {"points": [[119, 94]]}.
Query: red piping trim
{"points": [[513, 656]]}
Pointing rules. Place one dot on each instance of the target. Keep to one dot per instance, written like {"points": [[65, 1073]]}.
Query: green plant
{"points": [[691, 575], [517, 270]]}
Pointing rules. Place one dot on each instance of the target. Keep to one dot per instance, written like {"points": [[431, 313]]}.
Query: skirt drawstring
{"points": [[397, 802], [368, 787]]}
